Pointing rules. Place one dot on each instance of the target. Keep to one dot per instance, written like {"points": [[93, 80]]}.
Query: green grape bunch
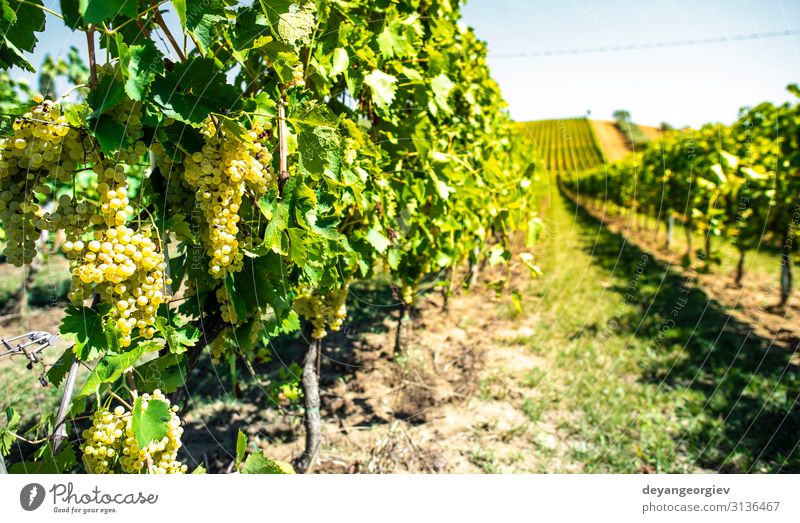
{"points": [[221, 175], [43, 148], [110, 445]]}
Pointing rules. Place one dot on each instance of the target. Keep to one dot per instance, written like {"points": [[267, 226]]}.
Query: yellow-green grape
{"points": [[310, 306], [162, 455], [129, 114], [125, 267], [218, 347], [228, 313], [297, 77], [103, 440], [221, 174], [42, 148], [127, 271], [336, 307], [319, 310], [408, 295]]}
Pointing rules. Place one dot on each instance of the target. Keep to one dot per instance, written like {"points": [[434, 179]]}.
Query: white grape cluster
{"points": [[103, 440], [110, 446], [129, 114], [320, 309], [42, 148], [228, 313], [178, 192], [408, 294], [163, 454], [124, 266], [221, 174], [219, 347], [337, 307]]}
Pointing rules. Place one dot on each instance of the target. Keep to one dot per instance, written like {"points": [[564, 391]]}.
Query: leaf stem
{"points": [[69, 92], [138, 18], [43, 8], [119, 399], [26, 440]]}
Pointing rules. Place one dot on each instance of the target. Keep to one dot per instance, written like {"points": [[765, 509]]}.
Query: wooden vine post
{"points": [[312, 420]]}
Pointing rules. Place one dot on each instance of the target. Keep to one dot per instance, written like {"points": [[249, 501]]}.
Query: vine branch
{"points": [[92, 58]]}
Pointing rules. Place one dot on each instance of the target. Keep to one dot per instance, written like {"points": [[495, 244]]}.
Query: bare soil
{"points": [[613, 143], [447, 406]]}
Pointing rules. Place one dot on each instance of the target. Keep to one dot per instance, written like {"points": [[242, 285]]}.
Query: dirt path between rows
{"points": [[613, 143], [453, 404]]}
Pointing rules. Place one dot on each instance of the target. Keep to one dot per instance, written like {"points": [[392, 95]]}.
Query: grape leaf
{"points": [[382, 86], [441, 87], [58, 464], [192, 90], [239, 305], [178, 338], [204, 20], [86, 327], [167, 373], [7, 439], [149, 423], [108, 93], [262, 282], [56, 373], [297, 245], [18, 27], [394, 40], [319, 149], [111, 366], [99, 11], [339, 62], [241, 448], [110, 133], [180, 9], [143, 62], [258, 463], [378, 240]]}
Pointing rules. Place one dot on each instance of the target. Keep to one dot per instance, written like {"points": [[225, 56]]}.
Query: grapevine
{"points": [[258, 171]]}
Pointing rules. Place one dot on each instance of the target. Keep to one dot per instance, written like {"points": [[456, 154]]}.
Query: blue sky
{"points": [[679, 85]]}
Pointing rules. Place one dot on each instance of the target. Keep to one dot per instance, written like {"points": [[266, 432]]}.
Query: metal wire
{"points": [[648, 45]]}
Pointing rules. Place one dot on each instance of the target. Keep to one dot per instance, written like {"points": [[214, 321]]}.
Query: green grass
{"points": [[50, 286], [649, 374]]}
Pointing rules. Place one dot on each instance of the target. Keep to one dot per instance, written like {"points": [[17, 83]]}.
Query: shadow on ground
{"points": [[225, 399], [748, 418]]}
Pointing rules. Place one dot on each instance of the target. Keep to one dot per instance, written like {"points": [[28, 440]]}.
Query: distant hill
{"points": [[576, 144], [565, 145]]}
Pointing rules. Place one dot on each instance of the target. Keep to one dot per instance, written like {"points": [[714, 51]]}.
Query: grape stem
{"points": [[26, 440], [131, 383], [43, 8], [119, 399], [69, 92]]}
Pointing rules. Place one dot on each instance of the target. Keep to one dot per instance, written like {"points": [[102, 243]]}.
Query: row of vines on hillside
{"points": [[739, 182], [255, 160], [566, 145]]}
